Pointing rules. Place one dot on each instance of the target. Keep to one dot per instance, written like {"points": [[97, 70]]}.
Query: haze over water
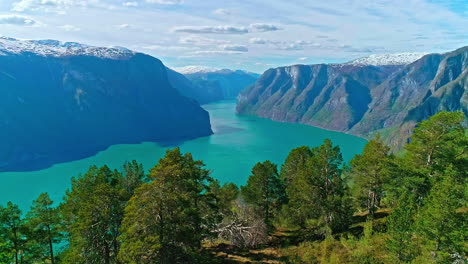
{"points": [[238, 143]]}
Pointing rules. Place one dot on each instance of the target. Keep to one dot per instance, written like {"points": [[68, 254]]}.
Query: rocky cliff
{"points": [[65, 101], [364, 96]]}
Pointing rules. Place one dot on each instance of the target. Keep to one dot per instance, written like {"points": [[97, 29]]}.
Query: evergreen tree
{"points": [[294, 164], [436, 144], [93, 211], [443, 228], [44, 222], [265, 190], [319, 191], [11, 231], [134, 176], [225, 195], [400, 229], [163, 221], [370, 171]]}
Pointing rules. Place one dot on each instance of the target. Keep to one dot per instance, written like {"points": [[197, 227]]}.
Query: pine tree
{"points": [[319, 193], [224, 195], [11, 227], [443, 228], [370, 171], [401, 229], [134, 176], [265, 190], [294, 164], [93, 211], [163, 221], [436, 144], [44, 222]]}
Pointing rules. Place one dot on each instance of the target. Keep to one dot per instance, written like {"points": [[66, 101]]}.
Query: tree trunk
{"points": [[51, 247], [15, 245]]}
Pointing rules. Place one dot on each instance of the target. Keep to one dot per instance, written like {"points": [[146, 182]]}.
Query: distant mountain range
{"points": [[207, 85], [388, 59], [385, 94], [65, 101]]}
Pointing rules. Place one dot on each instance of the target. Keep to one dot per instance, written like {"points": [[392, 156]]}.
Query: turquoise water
{"points": [[238, 143]]}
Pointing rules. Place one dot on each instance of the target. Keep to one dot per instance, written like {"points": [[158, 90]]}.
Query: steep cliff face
{"points": [[360, 98], [330, 96], [207, 86], [434, 83], [62, 101]]}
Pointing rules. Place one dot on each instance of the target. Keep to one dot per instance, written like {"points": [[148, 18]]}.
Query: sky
{"points": [[252, 35]]}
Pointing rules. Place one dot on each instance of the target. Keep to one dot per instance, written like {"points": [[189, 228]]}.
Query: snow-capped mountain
{"points": [[376, 94], [388, 59], [195, 69], [66, 101], [56, 48]]}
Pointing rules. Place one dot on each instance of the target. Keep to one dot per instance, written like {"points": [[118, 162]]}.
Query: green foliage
{"points": [[12, 231], [443, 229], [318, 192], [436, 144], [224, 195], [134, 176], [295, 164], [93, 211], [369, 249], [129, 217], [369, 173], [44, 223], [400, 229], [265, 190], [438, 141], [163, 221]]}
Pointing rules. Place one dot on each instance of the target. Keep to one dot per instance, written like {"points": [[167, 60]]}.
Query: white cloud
{"points": [[258, 27], [130, 4], [212, 30], [222, 12], [70, 28], [285, 45], [213, 52], [49, 5], [165, 2], [200, 41], [302, 59], [16, 20], [239, 48], [123, 26], [310, 28], [261, 27], [297, 45], [168, 48], [262, 41]]}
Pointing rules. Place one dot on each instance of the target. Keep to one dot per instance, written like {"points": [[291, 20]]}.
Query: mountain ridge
{"points": [[56, 108], [362, 99], [214, 85], [57, 48]]}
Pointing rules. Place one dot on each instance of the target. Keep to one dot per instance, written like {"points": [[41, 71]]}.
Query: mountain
{"points": [[208, 84], [202, 93], [385, 94], [65, 101], [388, 59]]}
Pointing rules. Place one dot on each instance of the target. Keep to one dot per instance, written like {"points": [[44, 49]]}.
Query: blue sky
{"points": [[245, 34]]}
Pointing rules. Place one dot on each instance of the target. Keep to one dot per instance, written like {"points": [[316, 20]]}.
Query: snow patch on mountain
{"points": [[55, 48], [388, 59], [194, 69]]}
